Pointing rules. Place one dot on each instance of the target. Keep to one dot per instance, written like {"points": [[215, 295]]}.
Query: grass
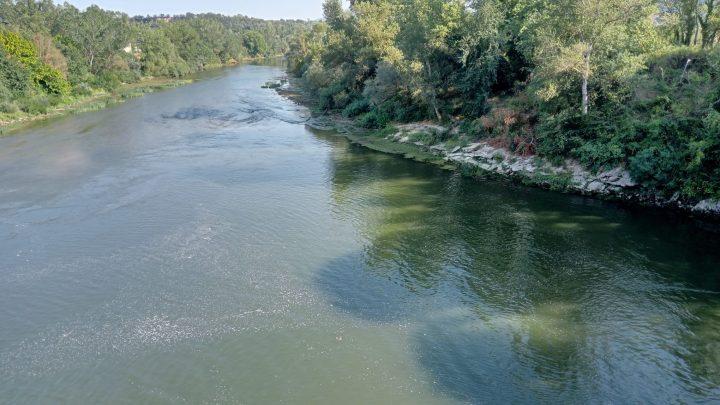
{"points": [[11, 123]]}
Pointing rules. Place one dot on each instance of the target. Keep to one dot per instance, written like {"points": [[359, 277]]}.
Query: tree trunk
{"points": [[585, 97], [706, 25], [435, 107], [686, 38], [585, 80], [433, 96], [685, 69]]}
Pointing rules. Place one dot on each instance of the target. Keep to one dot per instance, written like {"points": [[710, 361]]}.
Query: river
{"points": [[202, 245]]}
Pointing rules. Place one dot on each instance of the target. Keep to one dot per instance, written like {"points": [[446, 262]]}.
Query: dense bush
{"points": [[255, 43], [515, 72], [14, 76], [50, 80], [35, 105], [19, 48], [356, 107], [82, 89]]}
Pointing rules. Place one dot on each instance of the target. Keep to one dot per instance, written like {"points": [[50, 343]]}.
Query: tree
{"points": [[709, 21], [48, 78], [48, 53], [377, 27], [13, 75], [427, 26], [190, 44], [255, 43], [98, 34], [680, 17], [159, 57], [334, 14], [577, 36]]}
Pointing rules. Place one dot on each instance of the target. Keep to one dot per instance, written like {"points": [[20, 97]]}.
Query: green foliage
{"points": [[8, 107], [108, 81], [14, 77], [430, 137], [357, 107], [49, 51], [255, 43], [50, 80], [160, 56], [599, 82], [19, 48], [47, 78], [82, 89], [35, 105], [375, 119]]}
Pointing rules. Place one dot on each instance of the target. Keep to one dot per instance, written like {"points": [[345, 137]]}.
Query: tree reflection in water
{"points": [[518, 294]]}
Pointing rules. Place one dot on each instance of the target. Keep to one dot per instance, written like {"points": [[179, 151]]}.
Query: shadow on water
{"points": [[522, 295], [368, 293]]}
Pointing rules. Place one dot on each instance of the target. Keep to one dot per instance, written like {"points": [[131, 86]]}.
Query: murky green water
{"points": [[201, 245]]}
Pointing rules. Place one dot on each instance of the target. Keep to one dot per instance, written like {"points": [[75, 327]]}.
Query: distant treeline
{"points": [[50, 54], [632, 83]]}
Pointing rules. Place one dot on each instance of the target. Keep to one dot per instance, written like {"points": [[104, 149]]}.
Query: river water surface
{"points": [[201, 245]]}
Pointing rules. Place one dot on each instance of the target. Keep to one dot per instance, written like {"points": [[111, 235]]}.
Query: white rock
{"points": [[617, 177], [595, 187], [708, 206]]}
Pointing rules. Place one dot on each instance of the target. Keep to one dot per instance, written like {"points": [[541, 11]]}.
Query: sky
{"points": [[267, 9]]}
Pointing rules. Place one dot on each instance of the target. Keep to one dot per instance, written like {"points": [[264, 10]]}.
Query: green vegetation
{"points": [[631, 83], [56, 56]]}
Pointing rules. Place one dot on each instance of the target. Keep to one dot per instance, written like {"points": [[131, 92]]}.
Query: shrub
{"points": [[655, 167], [6, 100], [341, 99], [355, 108], [35, 105], [5, 93], [51, 80], [46, 77], [14, 76], [19, 48], [83, 89], [409, 112], [108, 81], [432, 137], [374, 120], [8, 107], [316, 77], [474, 128], [326, 96], [600, 152], [49, 54]]}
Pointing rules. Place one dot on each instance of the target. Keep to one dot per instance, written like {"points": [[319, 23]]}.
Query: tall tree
{"points": [[578, 35], [709, 20], [427, 26], [680, 17], [99, 34]]}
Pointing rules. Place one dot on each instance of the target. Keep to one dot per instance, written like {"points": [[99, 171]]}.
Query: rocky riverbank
{"points": [[481, 157]]}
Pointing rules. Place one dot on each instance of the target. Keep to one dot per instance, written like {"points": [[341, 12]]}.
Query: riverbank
{"points": [[11, 123], [446, 146]]}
